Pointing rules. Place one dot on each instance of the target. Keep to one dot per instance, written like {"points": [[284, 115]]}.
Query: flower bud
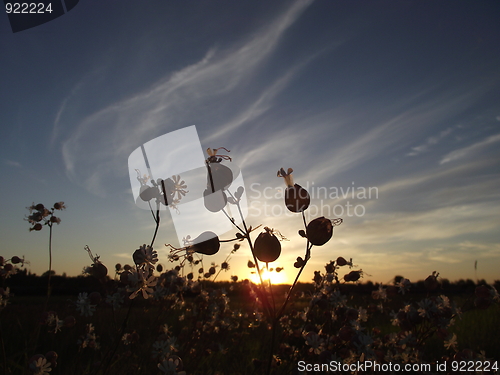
{"points": [[206, 243], [319, 231], [267, 247], [297, 198], [59, 205], [16, 259]]}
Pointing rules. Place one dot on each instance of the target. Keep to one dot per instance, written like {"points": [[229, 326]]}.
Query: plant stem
{"points": [[49, 289], [307, 257]]}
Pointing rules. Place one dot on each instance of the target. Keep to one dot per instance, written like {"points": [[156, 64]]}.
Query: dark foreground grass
{"points": [[234, 351]]}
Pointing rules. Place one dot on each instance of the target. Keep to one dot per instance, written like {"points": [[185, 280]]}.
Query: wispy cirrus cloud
{"points": [[431, 141], [213, 89], [470, 150]]}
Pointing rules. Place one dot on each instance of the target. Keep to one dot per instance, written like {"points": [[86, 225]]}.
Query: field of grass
{"points": [[222, 329]]}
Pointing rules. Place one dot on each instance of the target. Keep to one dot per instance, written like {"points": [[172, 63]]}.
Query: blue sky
{"points": [[401, 96]]}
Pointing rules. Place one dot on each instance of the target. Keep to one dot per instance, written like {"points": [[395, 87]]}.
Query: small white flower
{"points": [[146, 287], [169, 367], [40, 366], [83, 305], [452, 342]]}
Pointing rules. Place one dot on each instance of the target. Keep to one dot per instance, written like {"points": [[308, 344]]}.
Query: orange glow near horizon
{"points": [[273, 276]]}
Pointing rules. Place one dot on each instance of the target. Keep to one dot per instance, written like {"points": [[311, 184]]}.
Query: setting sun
{"points": [[275, 277]]}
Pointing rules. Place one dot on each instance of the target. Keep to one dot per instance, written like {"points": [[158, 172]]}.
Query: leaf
{"points": [[239, 192], [299, 263]]}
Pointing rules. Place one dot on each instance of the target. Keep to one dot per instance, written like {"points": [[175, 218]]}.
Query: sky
{"points": [[397, 101]]}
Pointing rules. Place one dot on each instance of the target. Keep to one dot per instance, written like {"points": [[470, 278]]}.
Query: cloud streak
{"points": [[470, 150], [97, 150]]}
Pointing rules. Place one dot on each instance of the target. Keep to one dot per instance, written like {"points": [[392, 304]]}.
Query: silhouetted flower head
{"points": [[267, 247], [297, 198]]}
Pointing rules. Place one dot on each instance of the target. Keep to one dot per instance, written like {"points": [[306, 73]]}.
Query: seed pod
{"points": [[139, 257], [267, 247], [206, 243], [341, 261], [319, 231], [99, 270], [214, 202], [220, 176], [352, 276], [297, 198]]}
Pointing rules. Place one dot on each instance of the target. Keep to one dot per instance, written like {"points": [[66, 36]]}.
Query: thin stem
{"points": [[49, 289], [247, 235], [307, 257], [273, 336], [271, 290], [156, 219]]}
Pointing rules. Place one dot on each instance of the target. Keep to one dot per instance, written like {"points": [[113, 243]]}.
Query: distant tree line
{"points": [[25, 283]]}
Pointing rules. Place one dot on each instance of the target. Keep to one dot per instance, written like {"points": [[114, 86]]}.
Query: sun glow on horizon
{"points": [[273, 276]]}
